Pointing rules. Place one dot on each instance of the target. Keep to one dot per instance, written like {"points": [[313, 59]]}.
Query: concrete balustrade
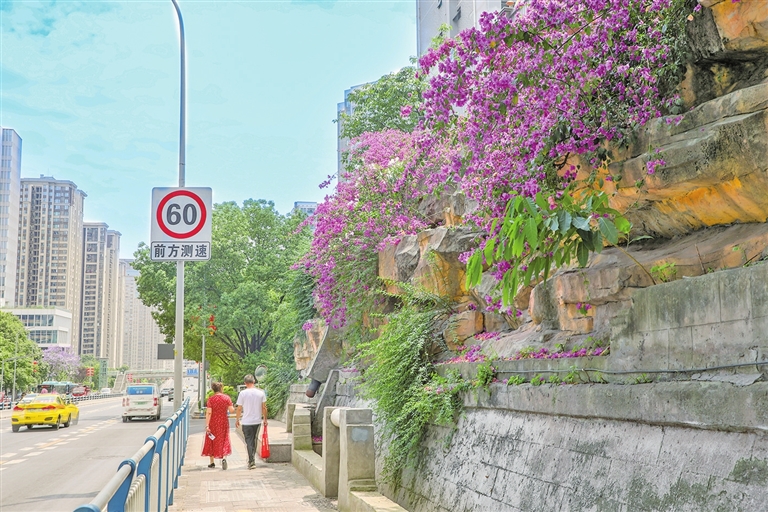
{"points": [[347, 467]]}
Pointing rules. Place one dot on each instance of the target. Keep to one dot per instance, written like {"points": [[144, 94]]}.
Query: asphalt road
{"points": [[50, 470]]}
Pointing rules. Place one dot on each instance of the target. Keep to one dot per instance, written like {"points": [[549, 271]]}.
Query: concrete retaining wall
{"points": [[715, 319], [664, 446], [608, 447]]}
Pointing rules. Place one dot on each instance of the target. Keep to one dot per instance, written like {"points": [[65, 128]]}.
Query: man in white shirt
{"points": [[252, 408]]}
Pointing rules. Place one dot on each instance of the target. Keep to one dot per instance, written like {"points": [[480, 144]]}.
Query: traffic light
{"points": [[129, 377], [89, 371], [211, 326], [34, 366]]}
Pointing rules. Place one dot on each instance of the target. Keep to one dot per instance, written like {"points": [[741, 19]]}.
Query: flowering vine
{"points": [[518, 114]]}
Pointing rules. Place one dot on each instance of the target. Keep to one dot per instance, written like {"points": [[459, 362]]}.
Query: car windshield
{"points": [[44, 399], [139, 390]]}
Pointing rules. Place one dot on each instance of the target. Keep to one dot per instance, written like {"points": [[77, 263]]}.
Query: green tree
{"points": [[248, 285], [391, 102], [11, 330]]}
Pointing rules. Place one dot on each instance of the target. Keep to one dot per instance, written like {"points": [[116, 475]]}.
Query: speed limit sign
{"points": [[181, 224]]}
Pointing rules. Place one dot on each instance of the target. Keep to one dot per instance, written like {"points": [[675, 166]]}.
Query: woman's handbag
{"points": [[264, 443]]}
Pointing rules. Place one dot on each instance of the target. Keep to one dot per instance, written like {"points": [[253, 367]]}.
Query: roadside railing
{"points": [[98, 396], [7, 404], [146, 481]]}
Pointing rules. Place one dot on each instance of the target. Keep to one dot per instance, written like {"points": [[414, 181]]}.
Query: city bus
{"points": [[60, 387]]}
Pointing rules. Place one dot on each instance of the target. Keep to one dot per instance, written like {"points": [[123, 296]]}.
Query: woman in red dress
{"points": [[217, 426]]}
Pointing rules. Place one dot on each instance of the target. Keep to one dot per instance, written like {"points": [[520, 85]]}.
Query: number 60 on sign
{"points": [[181, 224]]}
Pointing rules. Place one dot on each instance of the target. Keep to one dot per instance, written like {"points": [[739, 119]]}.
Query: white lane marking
{"points": [[16, 461], [48, 448], [7, 455], [26, 449], [32, 454]]}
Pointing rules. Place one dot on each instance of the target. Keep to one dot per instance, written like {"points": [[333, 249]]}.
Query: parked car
{"points": [[80, 391], [106, 391], [166, 391], [46, 409], [142, 400]]}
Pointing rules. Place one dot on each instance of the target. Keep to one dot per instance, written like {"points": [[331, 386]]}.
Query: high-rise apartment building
{"points": [[457, 14], [141, 335], [10, 185], [100, 320], [346, 107], [306, 207], [50, 247]]}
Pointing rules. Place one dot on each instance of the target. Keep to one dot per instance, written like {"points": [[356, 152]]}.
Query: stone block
{"points": [[462, 326], [301, 416], [358, 416], [328, 352], [742, 26], [653, 349], [302, 430], [439, 269], [735, 295], [758, 290], [406, 257], [331, 453], [680, 352], [720, 343]]}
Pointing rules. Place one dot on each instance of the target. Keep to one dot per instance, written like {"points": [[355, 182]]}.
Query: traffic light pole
{"points": [[178, 384]]}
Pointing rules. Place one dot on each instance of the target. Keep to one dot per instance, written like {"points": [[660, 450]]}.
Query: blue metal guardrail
{"points": [[146, 481], [7, 404]]}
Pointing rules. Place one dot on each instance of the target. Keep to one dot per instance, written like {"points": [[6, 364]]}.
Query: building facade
{"points": [[48, 327], [49, 260], [10, 187], [141, 335], [306, 207], [457, 14], [346, 107], [100, 321]]}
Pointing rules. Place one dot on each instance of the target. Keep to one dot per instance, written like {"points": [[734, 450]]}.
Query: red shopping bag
{"points": [[264, 443]]}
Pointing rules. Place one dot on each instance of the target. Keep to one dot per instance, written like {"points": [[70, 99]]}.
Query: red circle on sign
{"points": [[168, 230]]}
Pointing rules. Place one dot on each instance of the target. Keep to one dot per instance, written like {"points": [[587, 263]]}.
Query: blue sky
{"points": [[92, 88]]}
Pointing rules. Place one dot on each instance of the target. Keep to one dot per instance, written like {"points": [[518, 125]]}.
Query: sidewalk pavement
{"points": [[274, 487]]}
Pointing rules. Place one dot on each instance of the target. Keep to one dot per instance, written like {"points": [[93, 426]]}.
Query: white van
{"points": [[142, 400]]}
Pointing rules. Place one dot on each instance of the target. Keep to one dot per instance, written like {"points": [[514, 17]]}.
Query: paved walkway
{"points": [[269, 487]]}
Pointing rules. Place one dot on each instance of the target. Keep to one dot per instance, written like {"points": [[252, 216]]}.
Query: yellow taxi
{"points": [[44, 409]]}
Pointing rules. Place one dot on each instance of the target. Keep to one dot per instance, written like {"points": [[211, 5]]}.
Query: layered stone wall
{"points": [[601, 449]]}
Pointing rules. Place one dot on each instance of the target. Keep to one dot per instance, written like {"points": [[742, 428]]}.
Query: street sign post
{"points": [[181, 224]]}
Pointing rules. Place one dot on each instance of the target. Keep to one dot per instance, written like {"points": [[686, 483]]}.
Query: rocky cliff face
{"points": [[705, 210]]}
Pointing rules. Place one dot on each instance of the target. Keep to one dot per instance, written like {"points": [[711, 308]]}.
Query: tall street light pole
{"points": [[178, 387]]}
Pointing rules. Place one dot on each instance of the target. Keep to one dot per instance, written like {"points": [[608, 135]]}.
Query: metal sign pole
{"points": [[178, 387]]}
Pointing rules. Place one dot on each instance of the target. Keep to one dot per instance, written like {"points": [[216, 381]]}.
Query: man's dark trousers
{"points": [[251, 433]]}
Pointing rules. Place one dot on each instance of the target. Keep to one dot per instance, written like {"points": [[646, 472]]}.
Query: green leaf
{"points": [[530, 206], [532, 233], [622, 224], [564, 218], [553, 224], [580, 223], [608, 230], [587, 237], [518, 245], [474, 270], [582, 253], [541, 201], [488, 251]]}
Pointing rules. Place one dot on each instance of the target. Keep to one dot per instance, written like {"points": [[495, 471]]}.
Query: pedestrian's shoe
{"points": [[211, 465], [223, 463], [251, 465]]}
